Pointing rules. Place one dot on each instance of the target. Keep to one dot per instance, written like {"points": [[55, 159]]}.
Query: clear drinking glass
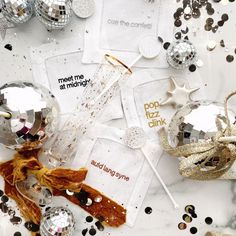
{"points": [[61, 148]]}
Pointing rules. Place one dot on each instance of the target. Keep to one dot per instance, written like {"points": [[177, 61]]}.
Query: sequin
{"points": [[187, 218], [208, 220], [229, 58], [182, 226], [193, 230]]}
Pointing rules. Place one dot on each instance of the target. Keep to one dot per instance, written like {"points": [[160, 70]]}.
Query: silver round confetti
{"points": [[199, 63], [57, 221], [181, 54], [98, 199], [68, 192], [17, 11], [54, 14], [135, 137], [83, 8], [89, 202], [196, 122], [33, 113], [211, 45]]}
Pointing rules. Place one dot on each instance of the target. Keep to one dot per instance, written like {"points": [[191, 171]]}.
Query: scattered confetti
{"points": [[182, 226], [208, 220], [8, 47], [229, 58], [211, 45], [193, 230], [148, 210]]}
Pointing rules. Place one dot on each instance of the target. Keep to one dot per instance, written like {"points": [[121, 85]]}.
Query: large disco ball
{"points": [[196, 122], [181, 54], [17, 11], [33, 113], [57, 221], [54, 14]]}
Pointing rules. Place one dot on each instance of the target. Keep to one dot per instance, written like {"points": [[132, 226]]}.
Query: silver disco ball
{"points": [[196, 122], [54, 14], [17, 11], [57, 221], [32, 113], [181, 54]]}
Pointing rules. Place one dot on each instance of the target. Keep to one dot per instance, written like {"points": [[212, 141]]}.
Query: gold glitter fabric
{"points": [[211, 159], [58, 180]]}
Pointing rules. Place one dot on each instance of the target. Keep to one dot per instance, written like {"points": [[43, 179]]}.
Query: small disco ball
{"points": [[181, 54], [32, 114], [54, 14], [57, 221], [196, 122], [17, 11]]}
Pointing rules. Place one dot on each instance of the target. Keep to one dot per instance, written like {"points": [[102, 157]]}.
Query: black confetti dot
{"points": [[229, 58], [166, 45], [210, 11], [84, 232], [208, 27], [82, 196], [220, 23], [3, 207], [160, 39], [99, 225], [92, 231], [31, 226], [196, 13], [148, 210], [209, 21], [224, 17], [185, 31], [208, 220], [4, 199], [192, 68], [222, 43], [17, 234], [178, 35], [1, 193], [47, 208], [182, 226], [15, 220], [89, 219], [178, 23], [180, 11], [8, 47], [194, 215], [193, 230], [215, 28]]}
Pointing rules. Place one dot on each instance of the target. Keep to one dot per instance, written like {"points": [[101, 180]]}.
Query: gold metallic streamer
{"points": [[210, 159]]}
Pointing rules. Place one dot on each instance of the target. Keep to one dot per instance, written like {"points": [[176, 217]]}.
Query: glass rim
{"points": [[113, 60]]}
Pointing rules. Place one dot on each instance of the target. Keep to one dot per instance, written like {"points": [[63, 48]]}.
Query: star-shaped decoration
{"points": [[179, 95]]}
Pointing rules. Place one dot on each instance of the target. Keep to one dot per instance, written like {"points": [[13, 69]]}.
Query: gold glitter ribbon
{"points": [[210, 159]]}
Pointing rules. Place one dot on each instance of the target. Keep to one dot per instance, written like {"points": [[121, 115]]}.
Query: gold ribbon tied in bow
{"points": [[209, 159]]}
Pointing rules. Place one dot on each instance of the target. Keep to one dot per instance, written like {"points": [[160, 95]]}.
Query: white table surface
{"points": [[216, 198]]}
